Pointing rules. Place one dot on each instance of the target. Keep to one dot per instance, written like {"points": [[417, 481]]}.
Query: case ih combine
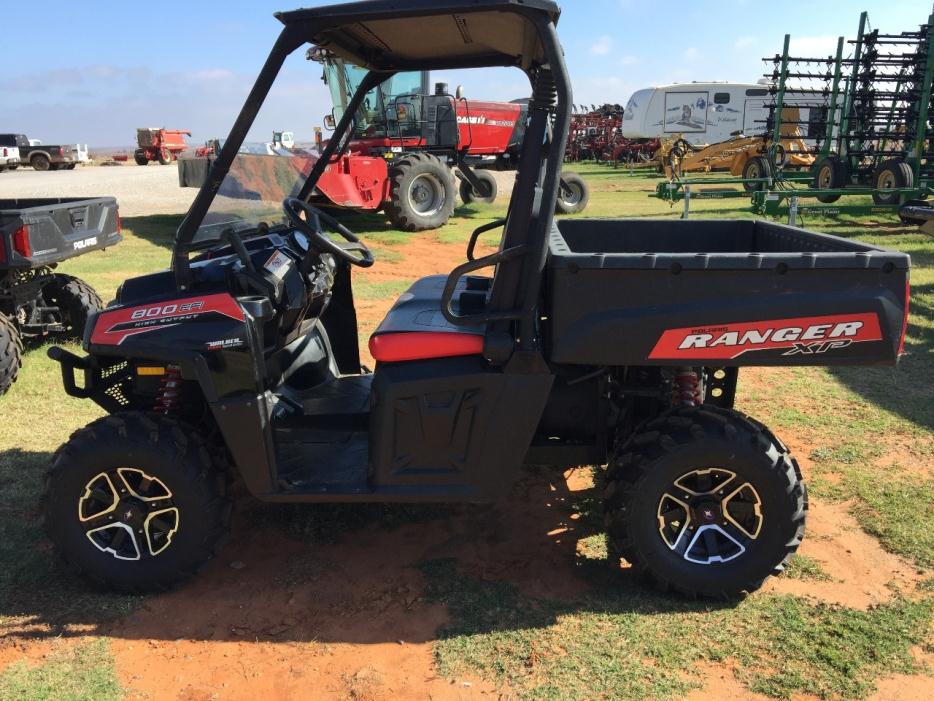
{"points": [[610, 342], [162, 145]]}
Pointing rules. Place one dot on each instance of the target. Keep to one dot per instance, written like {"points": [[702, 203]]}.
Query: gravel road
{"points": [[140, 190]]}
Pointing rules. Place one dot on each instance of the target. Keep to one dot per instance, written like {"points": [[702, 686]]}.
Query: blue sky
{"points": [[94, 71]]}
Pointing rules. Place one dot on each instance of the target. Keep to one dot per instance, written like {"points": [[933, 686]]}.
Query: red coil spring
{"points": [[169, 390], [687, 388]]}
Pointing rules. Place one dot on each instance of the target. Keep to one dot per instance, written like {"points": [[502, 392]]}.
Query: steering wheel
{"points": [[294, 207]]}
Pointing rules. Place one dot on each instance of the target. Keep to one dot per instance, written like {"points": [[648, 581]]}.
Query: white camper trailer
{"points": [[703, 113]]}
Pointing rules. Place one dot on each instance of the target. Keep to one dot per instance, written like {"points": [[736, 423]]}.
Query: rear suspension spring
{"points": [[687, 388], [167, 397]]}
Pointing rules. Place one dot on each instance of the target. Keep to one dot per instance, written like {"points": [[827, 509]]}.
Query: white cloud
{"points": [[602, 46], [691, 53], [813, 47], [745, 42], [628, 61]]}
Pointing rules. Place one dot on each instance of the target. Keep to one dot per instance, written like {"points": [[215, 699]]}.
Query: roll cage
{"points": [[380, 36]]}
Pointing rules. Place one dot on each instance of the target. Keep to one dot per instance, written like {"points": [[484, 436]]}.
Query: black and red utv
{"points": [[602, 342]]}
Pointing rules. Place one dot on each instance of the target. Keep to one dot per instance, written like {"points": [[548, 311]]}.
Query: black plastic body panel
{"points": [[59, 228], [615, 287], [452, 428]]}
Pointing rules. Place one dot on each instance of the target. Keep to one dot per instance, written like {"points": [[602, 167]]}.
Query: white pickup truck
{"points": [[9, 154]]}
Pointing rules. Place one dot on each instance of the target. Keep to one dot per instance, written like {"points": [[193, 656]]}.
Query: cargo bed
{"points": [[37, 232], [720, 293]]}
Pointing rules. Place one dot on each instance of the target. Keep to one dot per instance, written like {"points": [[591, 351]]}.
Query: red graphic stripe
{"points": [[112, 327]]}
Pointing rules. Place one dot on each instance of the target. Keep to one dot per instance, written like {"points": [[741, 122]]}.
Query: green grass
{"points": [[80, 673], [867, 432], [623, 643], [806, 568]]}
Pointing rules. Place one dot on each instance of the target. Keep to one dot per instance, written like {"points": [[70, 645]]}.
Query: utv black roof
{"points": [[378, 34]]}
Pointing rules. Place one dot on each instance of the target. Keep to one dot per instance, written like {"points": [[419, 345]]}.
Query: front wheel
{"points": [[134, 503], [704, 501], [165, 157], [573, 194], [891, 174], [421, 193], [756, 168]]}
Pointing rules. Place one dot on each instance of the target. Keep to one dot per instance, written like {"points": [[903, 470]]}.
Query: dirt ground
{"points": [[294, 619]]}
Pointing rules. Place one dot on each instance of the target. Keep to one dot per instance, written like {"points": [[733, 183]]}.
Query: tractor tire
{"points": [[141, 159], [889, 175], [134, 502], [467, 192], [71, 166], [165, 157], [576, 200], [756, 167], [704, 501], [831, 174], [421, 193], [40, 162], [11, 353], [76, 301]]}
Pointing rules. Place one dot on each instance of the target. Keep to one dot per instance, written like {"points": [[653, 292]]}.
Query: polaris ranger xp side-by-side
{"points": [[577, 342]]}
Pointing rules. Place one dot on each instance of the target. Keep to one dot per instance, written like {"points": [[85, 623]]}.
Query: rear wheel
{"points": [[704, 501], [11, 352], [486, 178], [421, 193], [573, 194], [830, 175], [754, 168], [133, 502], [76, 301], [890, 175], [39, 162]]}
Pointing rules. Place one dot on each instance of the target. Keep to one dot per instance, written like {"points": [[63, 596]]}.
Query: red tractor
{"points": [[163, 145], [406, 140]]}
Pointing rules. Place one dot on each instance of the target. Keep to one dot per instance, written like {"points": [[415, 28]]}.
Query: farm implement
{"points": [[160, 145]]}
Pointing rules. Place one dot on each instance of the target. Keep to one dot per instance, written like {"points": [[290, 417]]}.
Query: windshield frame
{"points": [[330, 25]]}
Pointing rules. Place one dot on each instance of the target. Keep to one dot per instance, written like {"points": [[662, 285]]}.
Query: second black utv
{"points": [[603, 342]]}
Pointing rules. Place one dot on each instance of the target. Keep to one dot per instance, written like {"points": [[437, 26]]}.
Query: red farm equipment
{"points": [[596, 135], [409, 137], [162, 145]]}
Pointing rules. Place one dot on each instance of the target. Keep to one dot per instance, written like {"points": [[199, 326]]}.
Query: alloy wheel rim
{"points": [[128, 514], [709, 516]]}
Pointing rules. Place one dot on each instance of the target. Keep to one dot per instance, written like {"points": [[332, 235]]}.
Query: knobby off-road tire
{"points": [[165, 157], [11, 353], [76, 301], [422, 193], [687, 455], [141, 159], [576, 200], [467, 192], [169, 502]]}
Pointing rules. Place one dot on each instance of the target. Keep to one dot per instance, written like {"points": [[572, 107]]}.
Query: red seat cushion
{"points": [[423, 345]]}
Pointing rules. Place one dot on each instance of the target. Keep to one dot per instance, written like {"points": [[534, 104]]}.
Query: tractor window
{"points": [[721, 98], [383, 107]]}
